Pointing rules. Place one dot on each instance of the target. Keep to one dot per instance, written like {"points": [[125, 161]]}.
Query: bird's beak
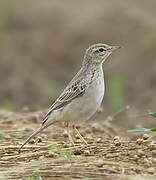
{"points": [[114, 48]]}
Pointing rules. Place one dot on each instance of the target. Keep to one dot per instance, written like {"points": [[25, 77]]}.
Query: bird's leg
{"points": [[80, 136], [70, 138], [69, 135]]}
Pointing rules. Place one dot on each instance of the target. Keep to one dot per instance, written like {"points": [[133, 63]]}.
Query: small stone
{"points": [[135, 157], [116, 138], [39, 139], [100, 110], [146, 136], [100, 163], [147, 162], [78, 126], [139, 141], [153, 152], [151, 170], [65, 134], [109, 155], [41, 157], [117, 143], [77, 137], [77, 152], [152, 146], [50, 154], [98, 140], [154, 160], [140, 153], [87, 152], [78, 141], [32, 141]]}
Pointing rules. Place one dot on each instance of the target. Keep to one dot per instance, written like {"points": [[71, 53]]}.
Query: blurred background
{"points": [[42, 44]]}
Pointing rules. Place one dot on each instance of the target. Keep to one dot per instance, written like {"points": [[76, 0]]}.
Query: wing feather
{"points": [[76, 88]]}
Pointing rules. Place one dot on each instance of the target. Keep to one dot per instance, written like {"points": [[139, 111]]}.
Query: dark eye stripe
{"points": [[101, 50]]}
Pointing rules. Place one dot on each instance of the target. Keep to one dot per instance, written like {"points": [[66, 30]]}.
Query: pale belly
{"points": [[84, 107]]}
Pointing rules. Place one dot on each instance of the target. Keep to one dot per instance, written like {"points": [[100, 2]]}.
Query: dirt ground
{"points": [[50, 155]]}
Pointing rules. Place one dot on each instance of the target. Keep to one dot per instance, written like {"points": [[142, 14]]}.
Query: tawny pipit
{"points": [[83, 95]]}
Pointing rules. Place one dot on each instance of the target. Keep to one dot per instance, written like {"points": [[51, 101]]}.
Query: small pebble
{"points": [[139, 141], [135, 157], [39, 139], [116, 138], [140, 153], [100, 110], [147, 163], [152, 146], [154, 152], [32, 141], [109, 155], [50, 154], [77, 137], [98, 140], [154, 160], [87, 153], [78, 126], [151, 170], [77, 152], [41, 157], [65, 134], [117, 143], [146, 136], [100, 163]]}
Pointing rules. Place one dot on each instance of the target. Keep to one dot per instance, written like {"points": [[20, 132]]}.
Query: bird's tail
{"points": [[31, 136]]}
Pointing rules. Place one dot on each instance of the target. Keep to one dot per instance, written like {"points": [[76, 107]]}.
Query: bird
{"points": [[83, 95]]}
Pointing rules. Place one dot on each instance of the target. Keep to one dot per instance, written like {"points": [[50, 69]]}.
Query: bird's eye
{"points": [[101, 50]]}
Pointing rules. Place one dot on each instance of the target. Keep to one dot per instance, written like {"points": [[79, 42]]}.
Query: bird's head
{"points": [[98, 53]]}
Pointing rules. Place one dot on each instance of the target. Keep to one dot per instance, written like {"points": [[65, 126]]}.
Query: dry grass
{"points": [[104, 157]]}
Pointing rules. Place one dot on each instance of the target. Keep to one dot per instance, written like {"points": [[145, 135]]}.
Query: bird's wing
{"points": [[76, 88]]}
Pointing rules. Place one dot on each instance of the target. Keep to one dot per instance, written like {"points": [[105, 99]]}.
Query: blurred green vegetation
{"points": [[36, 175], [52, 91], [6, 105], [60, 150], [5, 12], [116, 92], [2, 136]]}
